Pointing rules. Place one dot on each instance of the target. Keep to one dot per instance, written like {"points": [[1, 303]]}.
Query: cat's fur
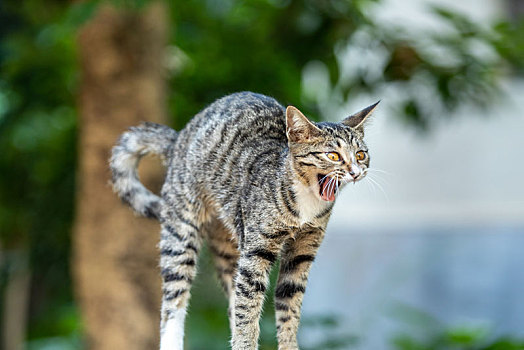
{"points": [[245, 174]]}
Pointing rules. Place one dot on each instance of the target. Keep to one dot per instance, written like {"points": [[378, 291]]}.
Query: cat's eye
{"points": [[334, 156], [361, 155]]}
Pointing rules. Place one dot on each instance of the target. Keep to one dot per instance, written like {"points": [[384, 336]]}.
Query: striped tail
{"points": [[126, 154]]}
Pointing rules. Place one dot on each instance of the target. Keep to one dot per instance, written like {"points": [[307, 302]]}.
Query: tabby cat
{"points": [[258, 182]]}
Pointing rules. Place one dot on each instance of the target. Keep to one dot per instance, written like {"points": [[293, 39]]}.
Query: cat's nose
{"points": [[354, 172]]}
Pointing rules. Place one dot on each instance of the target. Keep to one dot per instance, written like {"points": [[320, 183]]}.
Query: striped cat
{"points": [[258, 182]]}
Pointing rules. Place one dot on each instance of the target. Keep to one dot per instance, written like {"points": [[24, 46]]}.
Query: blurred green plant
{"points": [[217, 47], [434, 72], [425, 332], [37, 139], [332, 336], [458, 339], [59, 330]]}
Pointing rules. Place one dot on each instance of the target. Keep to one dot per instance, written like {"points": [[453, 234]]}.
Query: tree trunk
{"points": [[16, 299], [115, 258]]}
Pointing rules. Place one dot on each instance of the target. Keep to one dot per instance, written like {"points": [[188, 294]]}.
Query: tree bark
{"points": [[16, 299], [115, 258]]}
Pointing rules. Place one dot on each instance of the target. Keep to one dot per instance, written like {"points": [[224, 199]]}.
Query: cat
{"points": [[258, 182]]}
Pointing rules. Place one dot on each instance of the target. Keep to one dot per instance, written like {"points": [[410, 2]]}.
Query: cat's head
{"points": [[327, 156]]}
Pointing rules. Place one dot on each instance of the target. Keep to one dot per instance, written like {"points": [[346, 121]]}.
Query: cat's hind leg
{"points": [[224, 249], [179, 245]]}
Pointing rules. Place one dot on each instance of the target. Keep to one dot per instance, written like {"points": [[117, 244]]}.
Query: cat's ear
{"points": [[298, 127], [357, 120]]}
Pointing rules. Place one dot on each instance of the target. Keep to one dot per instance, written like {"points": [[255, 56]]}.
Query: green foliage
{"points": [[425, 332], [332, 336], [436, 71], [257, 45], [216, 47], [37, 139], [58, 329], [458, 339]]}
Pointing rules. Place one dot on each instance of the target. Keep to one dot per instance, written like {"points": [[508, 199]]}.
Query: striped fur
{"points": [[256, 181], [133, 145]]}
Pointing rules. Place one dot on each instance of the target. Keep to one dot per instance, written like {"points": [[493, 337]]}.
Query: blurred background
{"points": [[424, 254]]}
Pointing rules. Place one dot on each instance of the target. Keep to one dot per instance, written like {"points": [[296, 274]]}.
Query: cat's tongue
{"points": [[327, 193]]}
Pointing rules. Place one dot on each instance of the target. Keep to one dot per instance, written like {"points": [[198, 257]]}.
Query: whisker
{"points": [[322, 179], [379, 171], [377, 175], [333, 184], [370, 186], [323, 189], [330, 184], [379, 179], [326, 186], [379, 187]]}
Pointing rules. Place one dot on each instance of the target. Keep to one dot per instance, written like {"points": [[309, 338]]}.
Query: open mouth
{"points": [[328, 187]]}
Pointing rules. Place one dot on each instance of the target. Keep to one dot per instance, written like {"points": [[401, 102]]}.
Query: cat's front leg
{"points": [[257, 255], [296, 259]]}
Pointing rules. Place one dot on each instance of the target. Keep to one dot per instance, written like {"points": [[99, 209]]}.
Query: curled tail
{"points": [[126, 154]]}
